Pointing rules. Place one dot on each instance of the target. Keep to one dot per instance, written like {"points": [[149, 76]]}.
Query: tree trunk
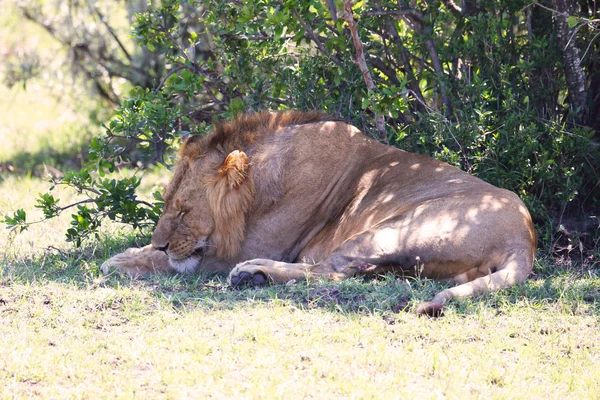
{"points": [[543, 79], [574, 74]]}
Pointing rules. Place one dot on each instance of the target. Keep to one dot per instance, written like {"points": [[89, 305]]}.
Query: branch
{"points": [[166, 30], [563, 13], [144, 203], [453, 8], [409, 12], [79, 187], [202, 108], [332, 9], [439, 71], [112, 33], [416, 21], [258, 37], [589, 45], [27, 14], [61, 209], [162, 82], [387, 70], [311, 34], [195, 67], [408, 70], [362, 64]]}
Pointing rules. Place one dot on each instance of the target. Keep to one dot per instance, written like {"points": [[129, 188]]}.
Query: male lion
{"points": [[302, 196]]}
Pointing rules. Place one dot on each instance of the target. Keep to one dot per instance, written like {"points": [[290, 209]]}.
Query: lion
{"points": [[289, 196]]}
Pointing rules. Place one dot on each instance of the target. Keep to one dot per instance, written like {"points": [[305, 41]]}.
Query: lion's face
{"points": [[204, 213]]}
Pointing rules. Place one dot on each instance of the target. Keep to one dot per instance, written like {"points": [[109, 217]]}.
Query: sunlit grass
{"points": [[66, 331], [32, 123], [195, 337]]}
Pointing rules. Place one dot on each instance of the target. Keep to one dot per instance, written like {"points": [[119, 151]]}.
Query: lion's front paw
{"points": [[105, 267], [248, 273], [120, 262], [137, 262]]}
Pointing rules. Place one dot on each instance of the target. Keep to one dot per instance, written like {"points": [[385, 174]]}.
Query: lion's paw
{"points": [[116, 263], [248, 273], [431, 309], [131, 263]]}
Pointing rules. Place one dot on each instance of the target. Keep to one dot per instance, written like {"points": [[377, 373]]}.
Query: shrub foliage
{"points": [[507, 90]]}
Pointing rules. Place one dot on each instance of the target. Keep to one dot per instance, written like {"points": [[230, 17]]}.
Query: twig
{"points": [[62, 252], [112, 32], [162, 82], [258, 37], [61, 209], [362, 64], [166, 30], [311, 34], [202, 108], [562, 13], [404, 56], [589, 45], [144, 203], [79, 187], [409, 12], [416, 21], [332, 9], [454, 9], [211, 94]]}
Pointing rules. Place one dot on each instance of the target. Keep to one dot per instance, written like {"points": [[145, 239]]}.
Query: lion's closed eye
{"points": [[181, 208]]}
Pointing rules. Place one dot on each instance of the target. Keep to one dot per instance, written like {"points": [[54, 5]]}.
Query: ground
{"points": [[67, 331]]}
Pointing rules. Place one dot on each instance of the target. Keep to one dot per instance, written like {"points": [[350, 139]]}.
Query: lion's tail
{"points": [[516, 267]]}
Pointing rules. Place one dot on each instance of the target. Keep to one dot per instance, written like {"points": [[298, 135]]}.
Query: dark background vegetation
{"points": [[508, 90]]}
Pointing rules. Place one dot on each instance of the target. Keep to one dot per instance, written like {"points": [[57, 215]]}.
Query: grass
{"points": [[66, 331]]}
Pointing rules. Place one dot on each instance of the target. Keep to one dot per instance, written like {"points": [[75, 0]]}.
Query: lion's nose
{"points": [[162, 248]]}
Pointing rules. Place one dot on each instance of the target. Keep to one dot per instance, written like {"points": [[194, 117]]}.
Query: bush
{"points": [[486, 87]]}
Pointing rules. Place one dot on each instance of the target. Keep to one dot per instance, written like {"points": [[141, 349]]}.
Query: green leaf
{"points": [[17, 221], [572, 21]]}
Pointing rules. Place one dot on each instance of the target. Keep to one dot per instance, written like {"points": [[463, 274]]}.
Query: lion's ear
{"points": [[234, 169]]}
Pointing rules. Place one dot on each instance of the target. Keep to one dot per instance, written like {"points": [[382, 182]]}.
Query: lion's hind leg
{"points": [[515, 268]]}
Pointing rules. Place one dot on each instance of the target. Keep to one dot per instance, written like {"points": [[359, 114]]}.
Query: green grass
{"points": [[66, 331]]}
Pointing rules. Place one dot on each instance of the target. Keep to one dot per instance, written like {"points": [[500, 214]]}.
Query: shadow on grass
{"points": [[27, 162], [559, 290]]}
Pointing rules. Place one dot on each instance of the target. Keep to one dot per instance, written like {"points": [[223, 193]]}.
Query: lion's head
{"points": [[212, 190], [205, 206]]}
